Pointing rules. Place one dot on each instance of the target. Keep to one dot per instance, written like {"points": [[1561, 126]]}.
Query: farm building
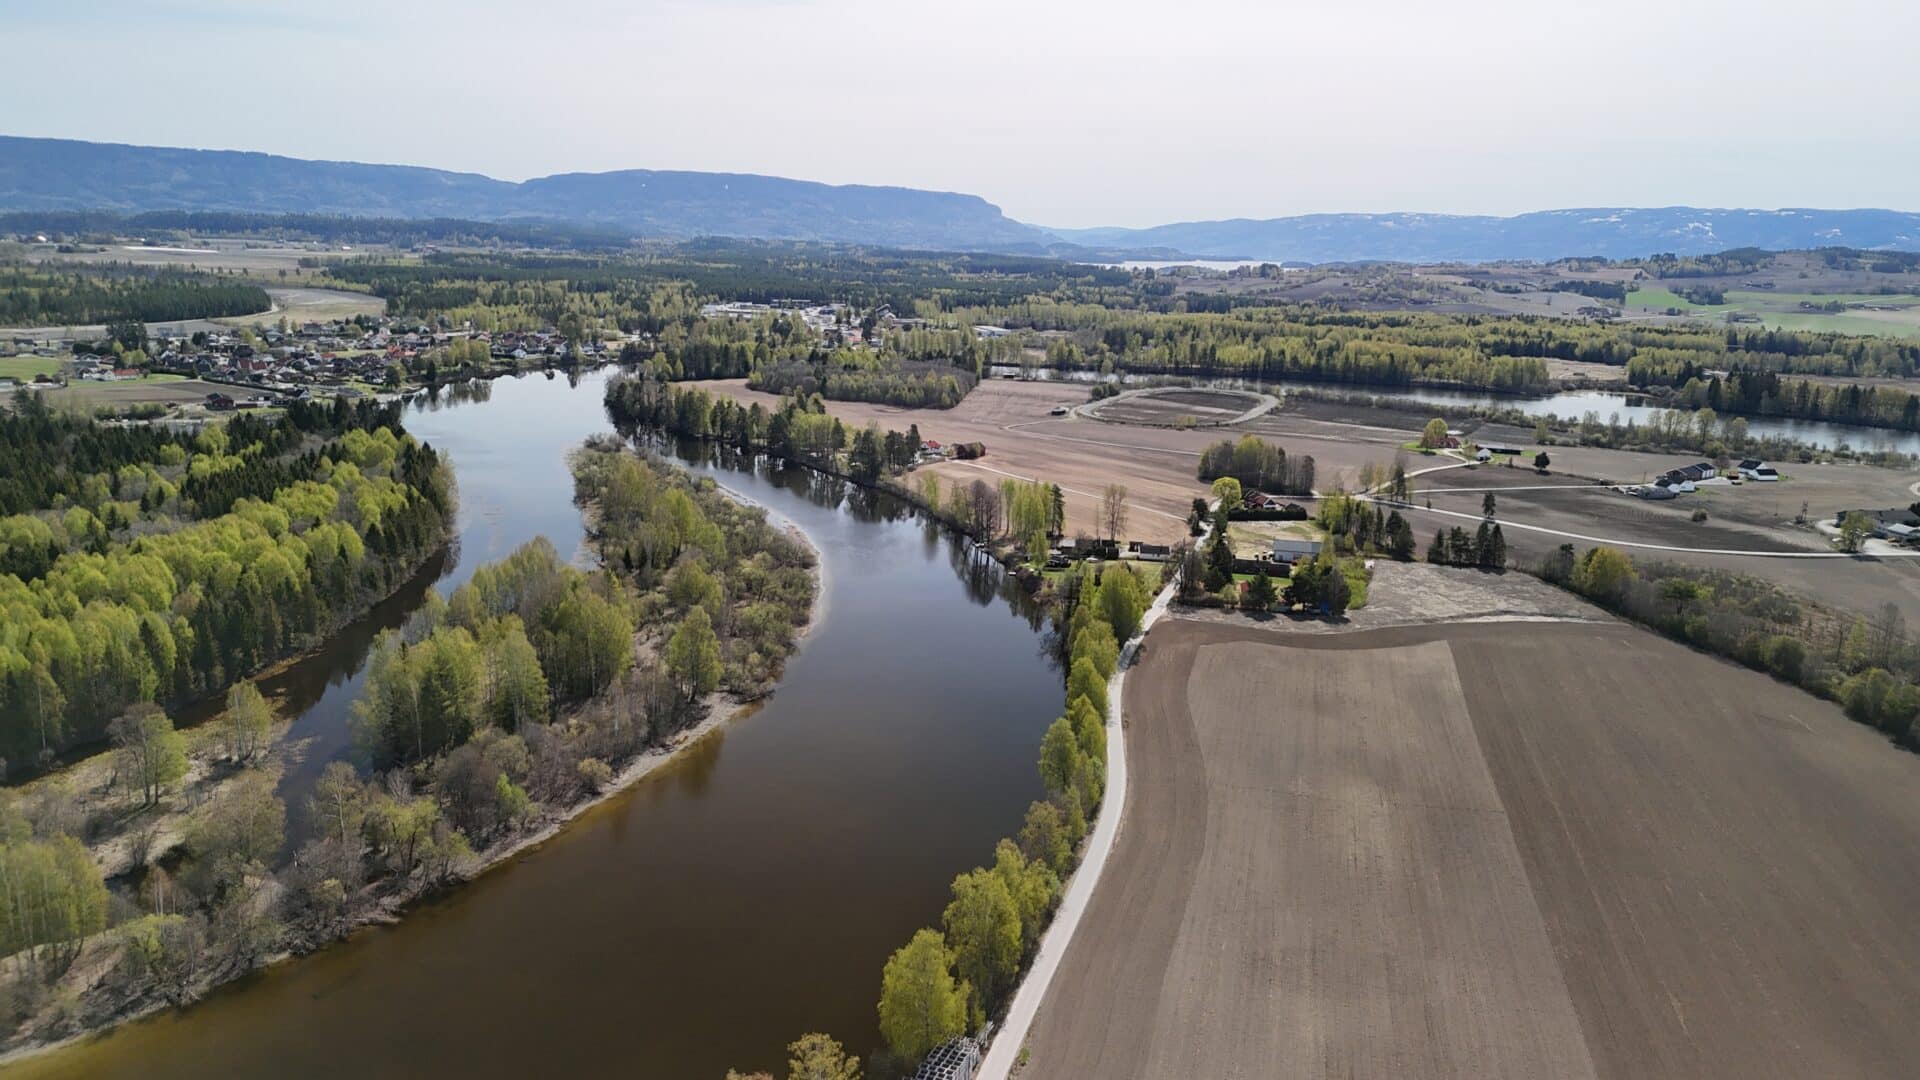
{"points": [[1755, 469], [1697, 471], [1290, 551]]}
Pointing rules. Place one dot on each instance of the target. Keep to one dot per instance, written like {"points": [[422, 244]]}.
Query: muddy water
{"points": [[746, 893]]}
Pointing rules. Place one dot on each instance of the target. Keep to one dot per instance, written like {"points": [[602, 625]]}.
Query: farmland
{"points": [[1863, 313], [1540, 849], [24, 368]]}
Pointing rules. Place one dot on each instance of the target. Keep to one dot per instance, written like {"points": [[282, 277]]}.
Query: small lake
{"points": [[745, 893]]}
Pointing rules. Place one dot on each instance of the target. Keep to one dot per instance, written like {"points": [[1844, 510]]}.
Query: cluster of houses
{"points": [[1689, 478], [329, 353], [835, 323]]}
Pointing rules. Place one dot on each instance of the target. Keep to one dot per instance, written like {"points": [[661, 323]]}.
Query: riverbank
{"points": [[1004, 1053], [98, 954], [95, 993], [720, 710]]}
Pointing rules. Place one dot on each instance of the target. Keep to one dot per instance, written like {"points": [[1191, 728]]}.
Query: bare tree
{"points": [[1113, 510], [1887, 637], [983, 504]]}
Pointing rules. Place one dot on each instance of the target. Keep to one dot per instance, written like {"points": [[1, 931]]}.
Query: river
{"points": [[743, 894]]}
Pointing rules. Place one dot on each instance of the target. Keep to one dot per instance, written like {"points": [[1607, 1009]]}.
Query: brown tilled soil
{"points": [[1517, 849], [1159, 468], [1170, 406]]}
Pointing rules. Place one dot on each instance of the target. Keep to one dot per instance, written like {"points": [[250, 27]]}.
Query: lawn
{"points": [[1152, 574], [1246, 536], [1354, 569]]}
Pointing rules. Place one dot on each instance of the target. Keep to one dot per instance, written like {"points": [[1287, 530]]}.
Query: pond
{"points": [[745, 893]]}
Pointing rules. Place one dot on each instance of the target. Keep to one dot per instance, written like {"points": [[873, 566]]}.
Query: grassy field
{"points": [[298, 305], [161, 389], [1498, 850], [1782, 311], [1248, 536], [24, 368]]}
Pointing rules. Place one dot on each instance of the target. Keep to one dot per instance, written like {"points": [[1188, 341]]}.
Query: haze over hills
{"points": [[64, 174], [1613, 232]]}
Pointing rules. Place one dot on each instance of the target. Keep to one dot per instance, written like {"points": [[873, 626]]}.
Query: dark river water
{"points": [[743, 894]]}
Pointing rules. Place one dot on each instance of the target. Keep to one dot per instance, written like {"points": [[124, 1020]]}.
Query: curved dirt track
{"points": [[1493, 850]]}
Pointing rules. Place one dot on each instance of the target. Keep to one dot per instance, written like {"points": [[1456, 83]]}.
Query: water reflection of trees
{"points": [[982, 578], [446, 395]]}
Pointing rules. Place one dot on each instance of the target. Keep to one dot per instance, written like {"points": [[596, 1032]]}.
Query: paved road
{"points": [[1005, 1048]]}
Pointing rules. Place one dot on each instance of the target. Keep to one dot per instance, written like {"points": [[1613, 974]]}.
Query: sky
{"points": [[1102, 112]]}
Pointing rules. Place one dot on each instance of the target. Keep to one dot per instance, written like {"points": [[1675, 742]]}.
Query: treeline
{"points": [[1672, 355], [114, 600], [1879, 262], [34, 296], [1732, 261], [847, 375], [798, 430], [105, 226], [1505, 353], [1868, 665], [1612, 291], [948, 980], [1291, 342], [1765, 393], [579, 295], [1258, 466], [907, 283]]}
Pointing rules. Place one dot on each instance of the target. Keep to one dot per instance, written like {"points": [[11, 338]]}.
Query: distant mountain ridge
{"points": [[1611, 232], [65, 174]]}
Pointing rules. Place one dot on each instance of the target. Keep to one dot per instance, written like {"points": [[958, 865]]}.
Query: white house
{"points": [[1755, 469]]}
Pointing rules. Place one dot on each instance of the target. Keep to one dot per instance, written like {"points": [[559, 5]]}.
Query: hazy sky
{"points": [[1102, 112]]}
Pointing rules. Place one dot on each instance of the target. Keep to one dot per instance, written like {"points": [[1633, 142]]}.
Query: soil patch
{"points": [[1544, 849]]}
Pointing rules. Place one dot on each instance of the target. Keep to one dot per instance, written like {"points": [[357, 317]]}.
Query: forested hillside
{"points": [[65, 174]]}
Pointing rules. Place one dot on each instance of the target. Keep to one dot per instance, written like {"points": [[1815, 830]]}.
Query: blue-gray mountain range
{"points": [[41, 175]]}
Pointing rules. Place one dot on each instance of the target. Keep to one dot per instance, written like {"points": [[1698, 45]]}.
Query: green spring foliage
{"points": [[158, 568]]}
